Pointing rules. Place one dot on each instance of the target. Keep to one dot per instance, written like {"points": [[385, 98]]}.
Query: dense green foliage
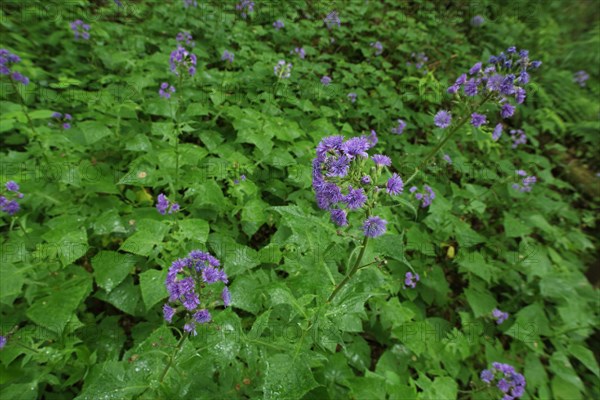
{"points": [[84, 260]]}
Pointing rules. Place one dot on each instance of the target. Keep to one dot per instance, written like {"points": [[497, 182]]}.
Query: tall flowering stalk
{"points": [[347, 180], [501, 82]]}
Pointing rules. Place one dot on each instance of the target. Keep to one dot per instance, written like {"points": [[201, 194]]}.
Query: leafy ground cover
{"points": [[299, 200]]}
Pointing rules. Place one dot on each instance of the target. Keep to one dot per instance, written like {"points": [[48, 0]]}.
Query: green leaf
{"points": [[93, 131], [110, 268], [481, 303], [287, 377], [152, 285]]}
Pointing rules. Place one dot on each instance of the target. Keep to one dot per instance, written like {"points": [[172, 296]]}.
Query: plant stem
{"points": [[352, 271], [164, 373]]}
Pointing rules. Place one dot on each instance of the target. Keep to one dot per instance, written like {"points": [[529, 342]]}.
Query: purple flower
{"points": [[227, 56], [278, 24], [395, 185], [447, 158], [374, 227], [475, 68], [507, 110], [426, 197], [499, 316], [410, 280], [356, 146], [299, 51], [12, 186], [471, 87], [181, 59], [166, 90], [163, 203], [210, 275], [372, 138], [190, 327], [168, 312], [352, 97], [226, 296], [356, 198], [365, 180], [581, 77], [478, 119], [80, 29], [282, 69], [190, 3], [442, 119], [332, 19], [381, 160], [497, 132], [339, 217], [245, 7], [190, 301], [477, 20], [487, 376], [3, 341], [185, 37], [400, 128], [326, 80], [17, 76], [520, 95], [511, 383], [518, 137], [378, 48], [202, 316]]}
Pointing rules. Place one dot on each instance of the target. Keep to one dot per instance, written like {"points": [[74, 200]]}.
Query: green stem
{"points": [[164, 373], [352, 271]]}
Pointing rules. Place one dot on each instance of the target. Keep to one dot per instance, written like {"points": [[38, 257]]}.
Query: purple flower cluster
{"points": [[526, 183], [400, 128], [426, 197], [282, 69], [580, 78], [378, 47], [477, 20], [299, 51], [8, 205], [478, 119], [442, 119], [410, 280], [499, 316], [62, 119], [510, 382], [502, 79], [332, 19], [227, 56], [419, 60], [6, 61], [163, 204], [278, 24], [352, 97], [341, 185], [242, 178], [185, 280], [326, 80], [185, 37], [181, 59], [245, 7], [518, 137], [165, 90], [80, 29]]}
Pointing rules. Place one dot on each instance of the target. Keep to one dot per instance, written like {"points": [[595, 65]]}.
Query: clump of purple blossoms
{"points": [[510, 382], [282, 69], [6, 61], [419, 60], [518, 137], [190, 3], [442, 119], [499, 316], [9, 203], [378, 47], [580, 78], [182, 60], [497, 132], [278, 24], [332, 19], [166, 90], [400, 128], [63, 119], [410, 280], [501, 80], [163, 204], [341, 184], [80, 29], [185, 280], [526, 183], [352, 97], [426, 197], [299, 51], [227, 56], [185, 37], [477, 20], [478, 119], [245, 7], [326, 80]]}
